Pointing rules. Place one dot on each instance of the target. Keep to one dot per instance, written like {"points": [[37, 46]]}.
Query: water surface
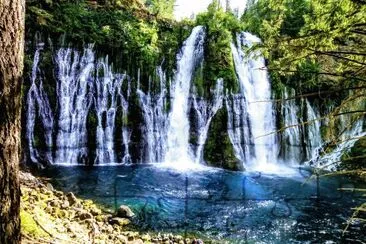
{"points": [[219, 204]]}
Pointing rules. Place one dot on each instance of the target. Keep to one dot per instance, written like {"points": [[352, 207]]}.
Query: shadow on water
{"points": [[220, 204]]}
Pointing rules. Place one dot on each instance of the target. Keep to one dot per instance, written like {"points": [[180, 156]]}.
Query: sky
{"points": [[185, 8]]}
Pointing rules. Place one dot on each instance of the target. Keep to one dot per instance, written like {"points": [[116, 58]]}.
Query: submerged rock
{"points": [[124, 212]]}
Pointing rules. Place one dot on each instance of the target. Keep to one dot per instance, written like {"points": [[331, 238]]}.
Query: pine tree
{"points": [[11, 66]]}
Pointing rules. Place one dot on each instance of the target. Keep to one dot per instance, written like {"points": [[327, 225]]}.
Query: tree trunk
{"points": [[11, 67]]}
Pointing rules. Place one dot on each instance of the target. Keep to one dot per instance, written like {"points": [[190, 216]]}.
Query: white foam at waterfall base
{"points": [[179, 153]]}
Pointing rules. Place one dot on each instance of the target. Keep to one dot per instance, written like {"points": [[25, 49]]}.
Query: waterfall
{"points": [[91, 96], [350, 131], [255, 107], [75, 98], [85, 87], [314, 139], [126, 132], [178, 148], [205, 111], [239, 127], [291, 136], [79, 84], [155, 118], [107, 91], [37, 100]]}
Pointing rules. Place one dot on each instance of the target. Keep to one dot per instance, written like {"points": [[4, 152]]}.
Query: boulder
{"points": [[59, 193], [54, 203], [122, 239], [138, 241], [65, 204], [146, 238], [107, 228], [49, 187], [124, 212], [102, 218], [85, 215], [95, 211], [119, 221], [178, 238], [71, 198]]}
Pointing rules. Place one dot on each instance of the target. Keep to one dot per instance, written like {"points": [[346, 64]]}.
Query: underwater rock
{"points": [[124, 212]]}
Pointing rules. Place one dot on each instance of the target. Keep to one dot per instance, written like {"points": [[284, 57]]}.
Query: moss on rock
{"points": [[219, 151], [356, 157], [29, 225]]}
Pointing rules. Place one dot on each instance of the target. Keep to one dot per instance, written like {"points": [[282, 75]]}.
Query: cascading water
{"points": [[255, 108], [178, 148], [126, 132], [37, 100], [291, 136], [155, 118], [351, 131], [314, 139], [80, 84], [90, 96], [75, 99], [239, 127], [83, 85], [205, 112], [107, 91]]}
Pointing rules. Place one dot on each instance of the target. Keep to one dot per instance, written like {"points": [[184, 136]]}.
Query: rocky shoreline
{"points": [[51, 216]]}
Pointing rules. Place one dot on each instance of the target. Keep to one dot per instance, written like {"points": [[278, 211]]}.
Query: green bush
{"points": [[221, 28]]}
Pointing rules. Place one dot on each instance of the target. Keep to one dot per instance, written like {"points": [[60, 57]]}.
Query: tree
{"points": [[330, 33], [228, 6], [161, 8], [11, 66]]}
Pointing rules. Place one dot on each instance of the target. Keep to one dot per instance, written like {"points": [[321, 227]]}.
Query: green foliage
{"points": [[126, 29], [270, 18], [161, 8], [328, 33], [355, 158], [221, 27]]}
